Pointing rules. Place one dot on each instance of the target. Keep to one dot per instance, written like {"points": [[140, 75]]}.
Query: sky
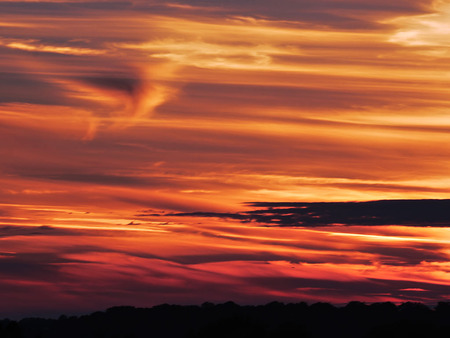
{"points": [[189, 151]]}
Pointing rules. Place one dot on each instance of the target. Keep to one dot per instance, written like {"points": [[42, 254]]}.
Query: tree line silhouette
{"points": [[229, 320]]}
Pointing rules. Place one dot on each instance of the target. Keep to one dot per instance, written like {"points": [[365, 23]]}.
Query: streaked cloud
{"points": [[32, 46], [428, 30]]}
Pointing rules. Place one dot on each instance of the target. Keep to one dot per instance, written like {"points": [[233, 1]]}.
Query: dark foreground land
{"points": [[274, 320]]}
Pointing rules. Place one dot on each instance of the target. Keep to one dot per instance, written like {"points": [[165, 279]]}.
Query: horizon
{"points": [[205, 305], [156, 151], [275, 319]]}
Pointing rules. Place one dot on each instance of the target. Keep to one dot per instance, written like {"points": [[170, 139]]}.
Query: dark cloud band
{"points": [[422, 213]]}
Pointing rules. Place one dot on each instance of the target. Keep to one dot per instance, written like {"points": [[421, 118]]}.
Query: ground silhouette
{"points": [[229, 320]]}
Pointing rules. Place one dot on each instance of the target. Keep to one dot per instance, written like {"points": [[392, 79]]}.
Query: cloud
{"points": [[370, 288], [98, 179], [32, 46], [322, 14], [422, 213], [426, 30], [138, 96], [346, 14], [20, 87], [229, 257], [44, 230], [403, 256], [62, 7]]}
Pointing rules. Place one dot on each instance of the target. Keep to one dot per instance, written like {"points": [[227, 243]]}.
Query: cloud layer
{"points": [[118, 117], [428, 213]]}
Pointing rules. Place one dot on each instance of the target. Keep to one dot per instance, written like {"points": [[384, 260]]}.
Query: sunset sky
{"points": [[210, 150]]}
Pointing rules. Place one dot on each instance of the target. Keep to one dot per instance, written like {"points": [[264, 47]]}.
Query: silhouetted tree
{"points": [[10, 329], [274, 320]]}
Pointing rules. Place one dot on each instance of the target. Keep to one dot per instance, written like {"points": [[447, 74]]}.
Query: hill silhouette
{"points": [[274, 320]]}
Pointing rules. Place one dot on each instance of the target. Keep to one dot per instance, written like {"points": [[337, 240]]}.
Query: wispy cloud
{"points": [[34, 46]]}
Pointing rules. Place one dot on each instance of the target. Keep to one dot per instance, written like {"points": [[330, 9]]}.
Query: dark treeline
{"points": [[274, 320]]}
